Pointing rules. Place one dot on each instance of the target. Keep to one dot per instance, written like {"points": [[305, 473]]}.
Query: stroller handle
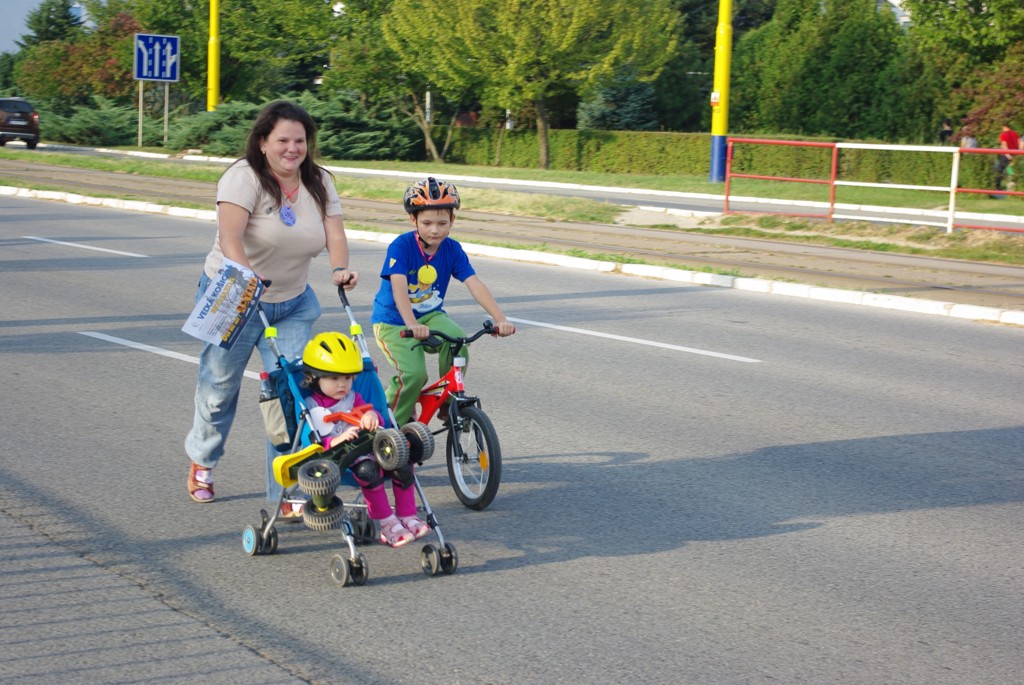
{"points": [[343, 295]]}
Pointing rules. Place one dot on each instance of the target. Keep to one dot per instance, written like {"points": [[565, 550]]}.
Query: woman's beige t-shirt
{"points": [[277, 252]]}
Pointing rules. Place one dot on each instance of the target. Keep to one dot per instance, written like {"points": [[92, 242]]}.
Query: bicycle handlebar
{"points": [[437, 337]]}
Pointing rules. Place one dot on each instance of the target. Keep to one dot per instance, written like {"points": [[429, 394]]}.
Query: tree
{"points": [[979, 31], [52, 20], [976, 47], [838, 68], [997, 96], [682, 91], [277, 45], [190, 21], [363, 62], [622, 105], [7, 62], [97, 63], [520, 52], [37, 74], [100, 64]]}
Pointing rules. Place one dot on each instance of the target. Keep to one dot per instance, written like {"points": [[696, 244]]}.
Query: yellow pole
{"points": [[213, 59], [720, 95]]}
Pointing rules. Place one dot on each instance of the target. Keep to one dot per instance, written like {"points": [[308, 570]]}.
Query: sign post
{"points": [[157, 58], [720, 95]]}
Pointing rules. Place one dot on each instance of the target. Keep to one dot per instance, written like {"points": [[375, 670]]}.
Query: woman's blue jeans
{"points": [[221, 372]]}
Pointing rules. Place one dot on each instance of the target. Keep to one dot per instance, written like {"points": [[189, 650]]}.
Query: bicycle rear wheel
{"points": [[474, 458]]}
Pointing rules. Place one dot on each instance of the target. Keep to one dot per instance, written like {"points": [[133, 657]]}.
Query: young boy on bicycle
{"points": [[417, 271]]}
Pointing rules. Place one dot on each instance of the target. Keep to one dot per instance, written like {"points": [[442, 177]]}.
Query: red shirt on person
{"points": [[1008, 139]]}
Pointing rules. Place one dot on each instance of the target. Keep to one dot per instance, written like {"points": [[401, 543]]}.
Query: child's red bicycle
{"points": [[472, 450]]}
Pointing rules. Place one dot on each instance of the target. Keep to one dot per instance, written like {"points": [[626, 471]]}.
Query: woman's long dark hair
{"points": [[310, 172]]}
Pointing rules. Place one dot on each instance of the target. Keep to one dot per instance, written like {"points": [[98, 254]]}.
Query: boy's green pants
{"points": [[410, 361]]}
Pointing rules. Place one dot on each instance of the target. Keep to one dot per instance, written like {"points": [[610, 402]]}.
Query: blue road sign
{"points": [[156, 57]]}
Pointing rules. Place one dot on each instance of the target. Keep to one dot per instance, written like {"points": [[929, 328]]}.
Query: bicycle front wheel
{"points": [[474, 458]]}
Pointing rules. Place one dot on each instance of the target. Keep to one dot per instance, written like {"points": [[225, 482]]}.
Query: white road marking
{"points": [[155, 350], [638, 341], [84, 247], [254, 375]]}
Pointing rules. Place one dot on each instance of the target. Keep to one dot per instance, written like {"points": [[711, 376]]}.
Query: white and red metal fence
{"points": [[951, 219]]}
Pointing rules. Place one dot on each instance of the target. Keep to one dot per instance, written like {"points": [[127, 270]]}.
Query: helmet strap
{"points": [[423, 244]]}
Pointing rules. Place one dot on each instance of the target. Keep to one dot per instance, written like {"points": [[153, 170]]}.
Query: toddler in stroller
{"points": [[336, 421], [331, 363]]}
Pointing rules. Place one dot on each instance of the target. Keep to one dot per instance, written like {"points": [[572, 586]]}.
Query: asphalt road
{"points": [[988, 285], [701, 485]]}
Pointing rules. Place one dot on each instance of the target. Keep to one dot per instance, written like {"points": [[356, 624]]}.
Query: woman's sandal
{"points": [[200, 484], [291, 510]]}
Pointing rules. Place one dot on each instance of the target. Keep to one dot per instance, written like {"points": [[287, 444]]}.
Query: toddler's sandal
{"points": [[393, 533], [415, 526]]}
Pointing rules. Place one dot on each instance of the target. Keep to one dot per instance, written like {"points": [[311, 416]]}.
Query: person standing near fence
{"points": [[1008, 140], [946, 132], [967, 138]]}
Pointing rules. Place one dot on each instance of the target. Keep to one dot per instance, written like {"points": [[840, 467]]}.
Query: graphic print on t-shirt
{"points": [[423, 296]]}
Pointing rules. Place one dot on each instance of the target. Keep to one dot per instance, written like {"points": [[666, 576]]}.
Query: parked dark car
{"points": [[18, 121]]}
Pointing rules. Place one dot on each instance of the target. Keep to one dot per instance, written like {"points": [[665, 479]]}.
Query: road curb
{"points": [[758, 285]]}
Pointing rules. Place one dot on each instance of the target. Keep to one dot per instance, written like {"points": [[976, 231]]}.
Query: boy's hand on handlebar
{"points": [[504, 328], [420, 332]]}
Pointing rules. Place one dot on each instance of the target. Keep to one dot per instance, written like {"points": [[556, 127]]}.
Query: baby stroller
{"points": [[305, 466]]}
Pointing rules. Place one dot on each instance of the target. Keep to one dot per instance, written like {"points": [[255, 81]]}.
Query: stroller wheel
{"points": [[270, 545], [430, 560], [339, 570], [359, 570], [320, 477], [421, 441], [449, 559], [251, 542], [344, 570], [391, 448]]}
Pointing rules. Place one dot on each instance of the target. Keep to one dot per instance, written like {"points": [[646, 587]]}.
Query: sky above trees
{"points": [[13, 25]]}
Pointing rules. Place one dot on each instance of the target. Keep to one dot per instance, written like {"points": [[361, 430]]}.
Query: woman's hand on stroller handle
{"points": [[344, 279]]}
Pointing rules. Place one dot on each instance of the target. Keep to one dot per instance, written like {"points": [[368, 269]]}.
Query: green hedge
{"points": [[629, 152]]}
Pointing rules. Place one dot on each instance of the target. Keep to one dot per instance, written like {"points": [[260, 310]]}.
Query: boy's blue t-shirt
{"points": [[404, 257]]}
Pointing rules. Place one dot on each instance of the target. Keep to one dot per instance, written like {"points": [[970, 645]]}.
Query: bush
{"points": [[345, 129], [348, 130], [100, 123], [221, 132], [628, 152]]}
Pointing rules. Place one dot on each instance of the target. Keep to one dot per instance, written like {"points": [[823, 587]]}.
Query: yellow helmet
{"points": [[332, 353]]}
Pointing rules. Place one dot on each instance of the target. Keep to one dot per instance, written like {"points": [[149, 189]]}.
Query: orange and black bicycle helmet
{"points": [[430, 193]]}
